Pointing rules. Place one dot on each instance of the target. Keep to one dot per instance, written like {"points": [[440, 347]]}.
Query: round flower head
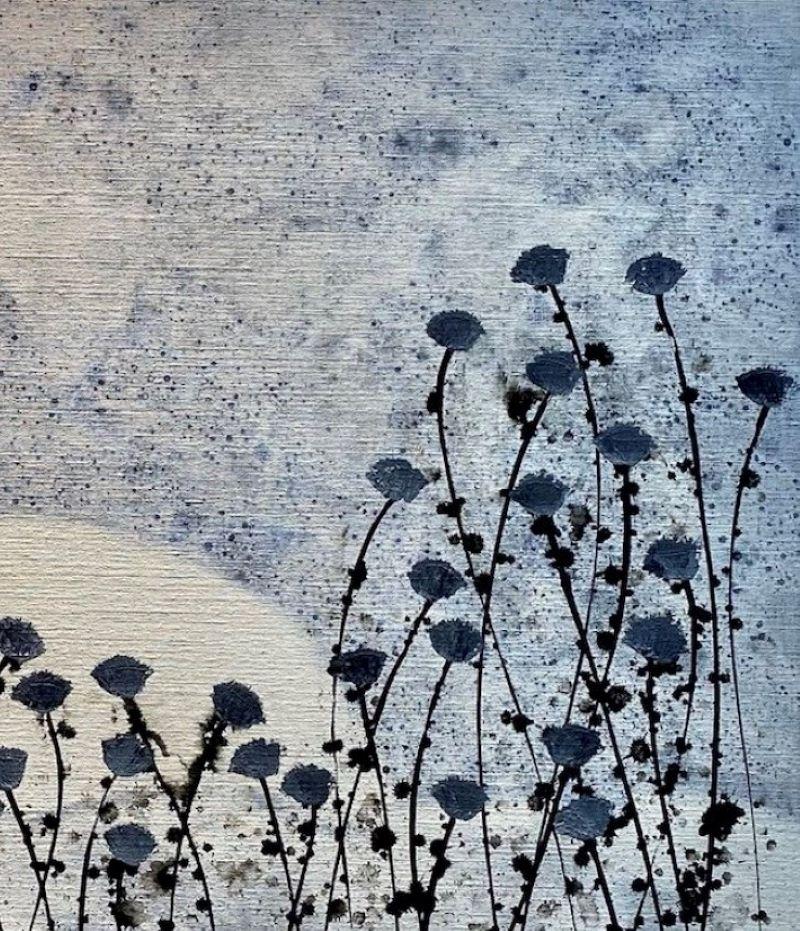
{"points": [[454, 329], [127, 755], [433, 579], [257, 759], [655, 274], [556, 372], [657, 638], [584, 819], [540, 266], [571, 745], [309, 785], [765, 386], [361, 667], [42, 692], [130, 843], [455, 640], [237, 705], [458, 798], [12, 767], [624, 444], [540, 494], [397, 479], [672, 559], [19, 641], [122, 676]]}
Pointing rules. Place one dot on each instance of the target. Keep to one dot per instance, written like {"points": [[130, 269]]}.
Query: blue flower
{"points": [[458, 798], [42, 692], [361, 667], [12, 767], [19, 641], [455, 640], [130, 843], [556, 372], [571, 745], [237, 705], [655, 274], [454, 329], [540, 266], [624, 444], [657, 638], [397, 479], [256, 759], [127, 755], [765, 386], [308, 785], [433, 579], [540, 494], [584, 819], [672, 559], [122, 676]]}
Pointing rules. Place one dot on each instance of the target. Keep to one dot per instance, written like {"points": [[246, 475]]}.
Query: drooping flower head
{"points": [[122, 676], [624, 444], [672, 559], [361, 667], [585, 818], [540, 266], [541, 494], [433, 579], [571, 745], [654, 274], [766, 387], [456, 330], [127, 755], [130, 843], [459, 798], [455, 640], [19, 641], [236, 705], [42, 691], [308, 785], [12, 767], [396, 479], [657, 638], [258, 759], [555, 372]]}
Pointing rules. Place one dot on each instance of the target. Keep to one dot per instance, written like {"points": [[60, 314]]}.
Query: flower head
{"points": [[657, 638], [130, 843], [433, 579], [122, 676], [455, 329], [584, 819], [237, 705], [12, 767], [624, 444], [19, 641], [571, 745], [540, 266], [655, 274], [458, 798], [555, 372], [42, 692], [308, 785], [257, 759], [455, 640], [540, 494], [127, 755], [361, 667], [765, 386], [397, 479], [672, 559]]}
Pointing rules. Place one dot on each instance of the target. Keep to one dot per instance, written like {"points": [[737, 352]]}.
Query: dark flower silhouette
{"points": [[672, 559], [127, 755], [624, 444], [19, 641], [657, 638], [571, 745], [655, 274], [456, 330], [434, 579], [12, 767], [719, 819], [130, 843], [556, 372], [308, 785], [122, 676], [540, 266], [257, 759], [765, 386], [42, 692], [237, 705], [540, 494], [361, 667], [584, 819], [455, 640], [397, 479], [458, 798]]}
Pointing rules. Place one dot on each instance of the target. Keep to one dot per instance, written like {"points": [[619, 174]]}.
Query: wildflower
{"points": [[624, 444], [12, 767], [308, 785], [540, 266], [434, 579], [127, 755], [455, 330], [122, 676], [130, 843], [585, 818], [19, 641], [672, 559], [655, 274], [458, 798], [540, 494], [571, 745], [765, 386], [455, 641], [361, 667], [657, 638], [257, 759], [555, 372], [397, 479], [237, 705], [42, 692]]}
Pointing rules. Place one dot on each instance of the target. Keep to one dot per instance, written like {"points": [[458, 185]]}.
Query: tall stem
{"points": [[276, 830], [61, 776], [295, 918], [25, 833], [437, 871], [87, 854], [591, 846], [119, 898], [694, 654]]}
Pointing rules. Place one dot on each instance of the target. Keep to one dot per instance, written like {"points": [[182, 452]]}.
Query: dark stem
{"points": [[694, 653], [295, 918], [119, 898], [276, 830], [439, 868], [614, 925], [27, 839], [87, 854]]}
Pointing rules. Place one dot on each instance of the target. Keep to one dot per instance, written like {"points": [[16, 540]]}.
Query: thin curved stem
{"points": [[276, 830], [295, 918], [61, 775], [27, 840], [438, 870], [694, 653], [591, 846], [87, 854]]}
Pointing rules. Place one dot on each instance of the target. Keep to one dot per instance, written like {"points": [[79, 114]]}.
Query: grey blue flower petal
{"points": [[258, 759], [766, 387], [672, 559], [455, 640], [657, 638], [361, 667], [122, 676], [624, 444], [42, 692], [434, 579], [655, 274], [127, 755], [456, 330], [540, 494], [571, 745], [236, 705], [555, 372], [19, 640], [308, 785], [12, 767], [130, 843], [584, 819], [540, 266], [396, 479], [458, 798]]}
